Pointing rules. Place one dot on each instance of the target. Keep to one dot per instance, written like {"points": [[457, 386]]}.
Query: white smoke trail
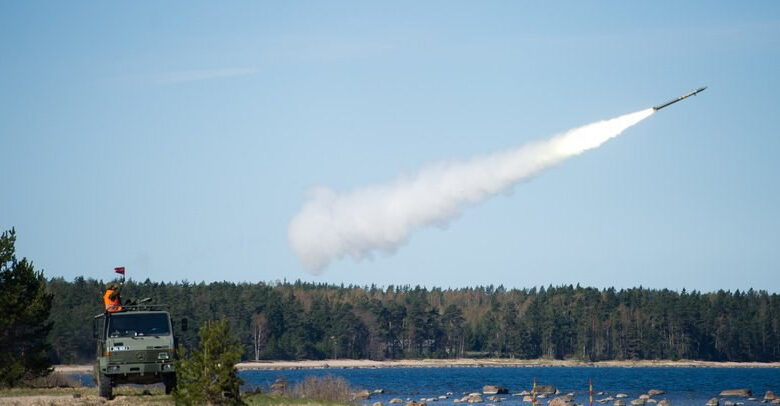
{"points": [[381, 217]]}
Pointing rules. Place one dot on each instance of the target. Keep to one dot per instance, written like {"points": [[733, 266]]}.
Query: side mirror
{"points": [[184, 324]]}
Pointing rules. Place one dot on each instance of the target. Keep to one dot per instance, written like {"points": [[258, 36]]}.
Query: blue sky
{"points": [[179, 139]]}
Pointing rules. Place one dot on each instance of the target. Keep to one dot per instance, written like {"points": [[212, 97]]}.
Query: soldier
{"points": [[111, 298]]}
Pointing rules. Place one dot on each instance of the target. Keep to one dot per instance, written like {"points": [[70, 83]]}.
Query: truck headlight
{"points": [[112, 368], [163, 355], [167, 367]]}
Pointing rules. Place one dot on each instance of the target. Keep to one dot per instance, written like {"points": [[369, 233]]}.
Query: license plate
{"points": [[120, 348]]}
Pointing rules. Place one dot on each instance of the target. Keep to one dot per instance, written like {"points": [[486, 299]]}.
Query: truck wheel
{"points": [[104, 386], [170, 383]]}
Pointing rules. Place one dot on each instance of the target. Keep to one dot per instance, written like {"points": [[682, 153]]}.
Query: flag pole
{"points": [[590, 391]]}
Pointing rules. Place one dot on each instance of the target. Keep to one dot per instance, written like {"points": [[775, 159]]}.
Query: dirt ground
{"points": [[80, 396]]}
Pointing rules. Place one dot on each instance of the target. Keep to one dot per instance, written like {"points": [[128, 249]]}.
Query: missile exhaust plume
{"points": [[381, 217]]}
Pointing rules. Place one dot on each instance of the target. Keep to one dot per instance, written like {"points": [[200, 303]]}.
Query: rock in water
{"points": [[396, 400], [619, 402], [561, 401], [655, 392], [545, 389], [737, 392], [377, 404], [621, 395], [769, 395], [637, 402], [712, 402], [664, 402], [494, 390]]}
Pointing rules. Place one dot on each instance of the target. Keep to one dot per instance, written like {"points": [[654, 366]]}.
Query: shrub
{"points": [[326, 389]]}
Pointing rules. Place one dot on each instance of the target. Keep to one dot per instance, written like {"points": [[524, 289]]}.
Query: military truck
{"points": [[136, 346]]}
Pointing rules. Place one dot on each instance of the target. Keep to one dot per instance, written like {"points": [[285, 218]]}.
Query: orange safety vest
{"points": [[112, 305]]}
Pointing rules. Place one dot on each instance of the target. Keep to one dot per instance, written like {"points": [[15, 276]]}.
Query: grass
{"points": [[135, 395], [328, 391]]}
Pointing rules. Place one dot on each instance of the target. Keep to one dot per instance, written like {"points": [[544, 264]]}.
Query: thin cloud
{"points": [[203, 74]]}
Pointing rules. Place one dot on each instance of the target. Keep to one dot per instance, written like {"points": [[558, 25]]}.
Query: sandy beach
{"points": [[465, 362]]}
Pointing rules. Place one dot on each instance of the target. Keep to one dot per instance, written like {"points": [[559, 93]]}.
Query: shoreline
{"points": [[464, 363]]}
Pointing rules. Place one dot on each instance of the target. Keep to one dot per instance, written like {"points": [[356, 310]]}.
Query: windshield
{"points": [[138, 325]]}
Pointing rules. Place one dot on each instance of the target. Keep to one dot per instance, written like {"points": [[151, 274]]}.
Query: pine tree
{"points": [[25, 308], [208, 375]]}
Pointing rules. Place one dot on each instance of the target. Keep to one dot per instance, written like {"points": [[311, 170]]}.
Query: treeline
{"points": [[317, 321]]}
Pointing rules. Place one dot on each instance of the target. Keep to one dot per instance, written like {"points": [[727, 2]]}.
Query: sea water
{"points": [[683, 386]]}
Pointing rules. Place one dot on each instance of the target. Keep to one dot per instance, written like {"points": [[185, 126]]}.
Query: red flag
{"points": [[120, 269]]}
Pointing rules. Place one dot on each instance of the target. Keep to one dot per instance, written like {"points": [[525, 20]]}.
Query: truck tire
{"points": [[104, 386], [170, 383]]}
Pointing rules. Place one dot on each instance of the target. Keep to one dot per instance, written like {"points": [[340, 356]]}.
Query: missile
{"points": [[701, 89]]}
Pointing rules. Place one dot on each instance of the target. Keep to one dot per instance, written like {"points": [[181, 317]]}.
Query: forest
{"points": [[301, 320]]}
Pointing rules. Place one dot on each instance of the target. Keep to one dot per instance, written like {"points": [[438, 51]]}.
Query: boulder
{"points": [[664, 402], [361, 395], [651, 401], [729, 403], [396, 400], [494, 390], [644, 396], [413, 403], [775, 402], [545, 390], [528, 398], [619, 402], [525, 392], [378, 391], [561, 401], [442, 397], [606, 399], [637, 402], [655, 392], [472, 398], [712, 402], [621, 395], [377, 404], [737, 392], [769, 395]]}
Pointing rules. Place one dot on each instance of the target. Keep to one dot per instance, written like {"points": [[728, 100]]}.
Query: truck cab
{"points": [[135, 346]]}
